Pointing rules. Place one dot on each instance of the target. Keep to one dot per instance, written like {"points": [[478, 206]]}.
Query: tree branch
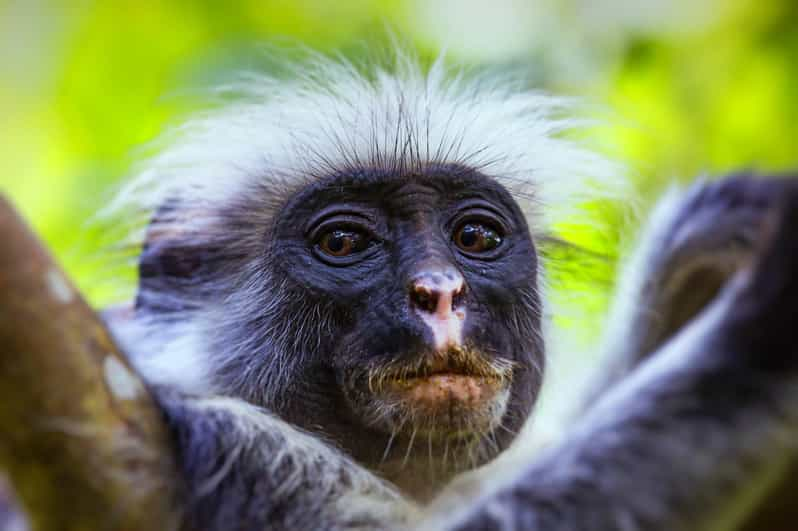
{"points": [[81, 439]]}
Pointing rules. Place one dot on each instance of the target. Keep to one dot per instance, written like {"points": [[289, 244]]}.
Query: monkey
{"points": [[340, 310]]}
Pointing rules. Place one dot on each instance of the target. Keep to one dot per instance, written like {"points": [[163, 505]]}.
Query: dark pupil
{"points": [[343, 242], [469, 237], [337, 241], [477, 238]]}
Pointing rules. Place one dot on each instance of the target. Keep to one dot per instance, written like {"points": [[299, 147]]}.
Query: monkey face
{"points": [[426, 310]]}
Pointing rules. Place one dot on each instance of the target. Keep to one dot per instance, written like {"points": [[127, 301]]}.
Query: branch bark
{"points": [[83, 442], [778, 512]]}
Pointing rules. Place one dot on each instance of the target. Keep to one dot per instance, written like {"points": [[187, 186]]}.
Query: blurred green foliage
{"points": [[686, 88]]}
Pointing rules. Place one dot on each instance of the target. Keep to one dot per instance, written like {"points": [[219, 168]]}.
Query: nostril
{"points": [[424, 298]]}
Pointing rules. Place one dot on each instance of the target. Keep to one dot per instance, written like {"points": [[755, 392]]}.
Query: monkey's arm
{"points": [[693, 437], [700, 238], [694, 242], [245, 470]]}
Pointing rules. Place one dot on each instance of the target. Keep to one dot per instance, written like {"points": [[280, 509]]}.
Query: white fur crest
{"points": [[334, 116]]}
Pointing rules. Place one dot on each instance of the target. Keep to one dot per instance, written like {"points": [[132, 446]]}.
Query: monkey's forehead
{"points": [[434, 179], [338, 119], [434, 189]]}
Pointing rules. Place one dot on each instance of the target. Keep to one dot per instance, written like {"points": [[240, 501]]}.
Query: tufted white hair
{"points": [[335, 116]]}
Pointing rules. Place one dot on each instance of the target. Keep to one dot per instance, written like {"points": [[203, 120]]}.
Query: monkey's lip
{"points": [[447, 387], [458, 391], [460, 377]]}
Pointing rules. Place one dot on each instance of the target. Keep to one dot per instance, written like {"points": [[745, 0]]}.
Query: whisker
{"points": [[409, 447]]}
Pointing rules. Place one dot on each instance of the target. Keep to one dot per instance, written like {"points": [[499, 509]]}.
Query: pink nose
{"points": [[436, 296]]}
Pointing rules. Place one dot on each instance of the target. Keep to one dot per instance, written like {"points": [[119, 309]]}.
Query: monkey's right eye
{"points": [[343, 242]]}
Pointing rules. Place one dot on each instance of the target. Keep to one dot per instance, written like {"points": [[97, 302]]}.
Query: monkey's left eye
{"points": [[474, 237], [343, 242]]}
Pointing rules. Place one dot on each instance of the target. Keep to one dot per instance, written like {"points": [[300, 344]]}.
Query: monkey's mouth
{"points": [[450, 393], [445, 385]]}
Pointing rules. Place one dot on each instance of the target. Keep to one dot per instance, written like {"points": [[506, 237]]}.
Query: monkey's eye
{"points": [[474, 237], [343, 242]]}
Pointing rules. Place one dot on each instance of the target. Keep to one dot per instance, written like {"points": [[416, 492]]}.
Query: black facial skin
{"points": [[412, 223], [301, 327]]}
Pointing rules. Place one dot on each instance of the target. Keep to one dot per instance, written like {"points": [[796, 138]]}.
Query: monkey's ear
{"points": [[177, 261]]}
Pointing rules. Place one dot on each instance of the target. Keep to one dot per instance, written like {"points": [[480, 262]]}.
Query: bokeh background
{"points": [[683, 87]]}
